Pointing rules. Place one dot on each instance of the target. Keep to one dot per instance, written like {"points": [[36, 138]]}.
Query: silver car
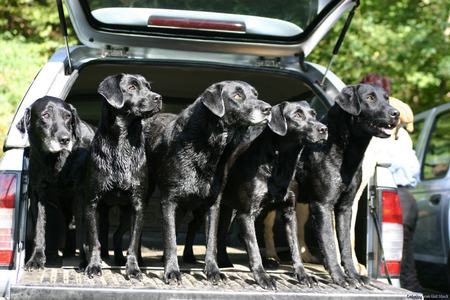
{"points": [[432, 236], [182, 47]]}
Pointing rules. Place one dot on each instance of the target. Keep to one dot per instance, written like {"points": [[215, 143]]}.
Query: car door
{"points": [[432, 193]]}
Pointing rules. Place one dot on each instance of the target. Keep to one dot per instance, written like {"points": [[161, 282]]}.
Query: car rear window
{"points": [[286, 19]]}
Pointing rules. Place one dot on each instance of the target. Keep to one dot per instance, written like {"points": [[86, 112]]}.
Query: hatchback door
{"points": [[266, 28]]}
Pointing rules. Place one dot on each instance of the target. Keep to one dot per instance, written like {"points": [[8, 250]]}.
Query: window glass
{"points": [[437, 156]]}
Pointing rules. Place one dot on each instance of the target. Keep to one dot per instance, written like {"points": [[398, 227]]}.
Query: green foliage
{"points": [[406, 40], [19, 64]]}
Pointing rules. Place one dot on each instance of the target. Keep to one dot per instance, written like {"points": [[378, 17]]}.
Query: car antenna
{"points": [[63, 27], [340, 39]]}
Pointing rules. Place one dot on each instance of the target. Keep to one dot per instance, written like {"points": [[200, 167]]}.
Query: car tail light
{"points": [[199, 24], [7, 205], [392, 228]]}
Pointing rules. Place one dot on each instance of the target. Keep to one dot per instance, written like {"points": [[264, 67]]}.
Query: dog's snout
{"points": [[64, 140], [394, 113], [266, 109]]}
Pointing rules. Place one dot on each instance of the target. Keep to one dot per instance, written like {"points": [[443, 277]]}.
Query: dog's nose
{"points": [[64, 140], [157, 97], [394, 113], [323, 129], [266, 109]]}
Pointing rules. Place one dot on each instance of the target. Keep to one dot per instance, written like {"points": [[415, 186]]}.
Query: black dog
{"points": [[117, 166], [259, 180], [59, 143], [190, 155], [329, 175]]}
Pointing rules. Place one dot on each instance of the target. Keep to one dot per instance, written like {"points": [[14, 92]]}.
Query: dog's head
{"points": [[237, 103], [52, 125], [370, 107], [130, 95], [297, 119]]}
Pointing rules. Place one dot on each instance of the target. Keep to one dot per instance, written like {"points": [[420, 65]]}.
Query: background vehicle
{"points": [[432, 237], [182, 52]]}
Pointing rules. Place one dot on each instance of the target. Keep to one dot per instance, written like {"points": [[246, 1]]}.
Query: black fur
{"points": [[188, 159], [59, 143], [329, 175], [259, 180], [117, 165]]}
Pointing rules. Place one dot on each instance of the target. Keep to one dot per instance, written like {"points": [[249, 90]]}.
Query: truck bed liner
{"points": [[67, 282]]}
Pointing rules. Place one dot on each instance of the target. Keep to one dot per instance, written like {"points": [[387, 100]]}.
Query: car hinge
{"points": [[110, 51], [301, 61], [269, 62], [63, 27], [340, 39]]}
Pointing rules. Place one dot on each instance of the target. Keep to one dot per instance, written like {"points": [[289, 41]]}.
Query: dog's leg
{"points": [[171, 269], [290, 221], [95, 263], [211, 268], [272, 261], [226, 214], [80, 230], [302, 212], [104, 230], [343, 215], [37, 259], [322, 215], [124, 226], [137, 221], [193, 227], [247, 223]]}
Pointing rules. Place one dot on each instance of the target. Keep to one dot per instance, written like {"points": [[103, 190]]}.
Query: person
{"points": [[404, 165]]}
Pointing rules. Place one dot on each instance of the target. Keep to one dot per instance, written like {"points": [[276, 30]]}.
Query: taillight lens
{"points": [[7, 205], [392, 232]]}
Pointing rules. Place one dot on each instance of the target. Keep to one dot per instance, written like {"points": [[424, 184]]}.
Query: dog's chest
{"points": [[120, 166]]}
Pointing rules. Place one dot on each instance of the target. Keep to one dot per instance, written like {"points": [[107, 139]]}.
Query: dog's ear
{"points": [[348, 99], [109, 88], [24, 124], [278, 122], [76, 123], [212, 99]]}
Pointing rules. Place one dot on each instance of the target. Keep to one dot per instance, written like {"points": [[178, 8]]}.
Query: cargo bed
{"points": [[66, 282]]}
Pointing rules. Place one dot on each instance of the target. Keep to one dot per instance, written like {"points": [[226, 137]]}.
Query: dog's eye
{"points": [[237, 97], [46, 115], [300, 114], [67, 116], [131, 87], [370, 98]]}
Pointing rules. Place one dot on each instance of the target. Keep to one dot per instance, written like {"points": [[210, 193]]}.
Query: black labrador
{"points": [[259, 181], [188, 159], [59, 142], [117, 165], [329, 175]]}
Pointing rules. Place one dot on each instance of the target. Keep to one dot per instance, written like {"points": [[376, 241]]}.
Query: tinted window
{"points": [[418, 126], [437, 156]]}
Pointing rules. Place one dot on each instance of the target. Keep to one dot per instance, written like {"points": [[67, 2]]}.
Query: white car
{"points": [[182, 47]]}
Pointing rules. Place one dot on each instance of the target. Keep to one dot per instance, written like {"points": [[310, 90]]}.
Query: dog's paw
{"points": [[36, 261], [132, 269], [265, 281], [359, 279], [214, 275], [93, 269], [304, 279], [172, 277], [342, 280], [271, 263]]}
